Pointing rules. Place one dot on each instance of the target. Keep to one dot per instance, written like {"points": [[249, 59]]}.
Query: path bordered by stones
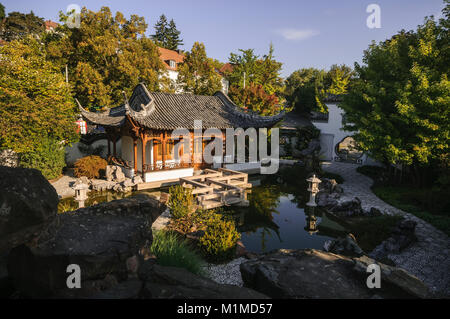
{"points": [[428, 258]]}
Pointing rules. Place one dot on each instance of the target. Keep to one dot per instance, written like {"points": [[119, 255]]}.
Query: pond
{"points": [[277, 216]]}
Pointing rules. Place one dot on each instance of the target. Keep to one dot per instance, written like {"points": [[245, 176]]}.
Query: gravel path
{"points": [[228, 273], [63, 186], [428, 258]]}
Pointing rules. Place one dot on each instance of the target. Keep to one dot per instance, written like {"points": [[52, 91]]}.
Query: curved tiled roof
{"points": [[170, 111]]}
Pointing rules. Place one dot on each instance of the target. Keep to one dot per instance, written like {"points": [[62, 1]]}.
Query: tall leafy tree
{"points": [[255, 82], [197, 73], [173, 36], [307, 88], [105, 55], [37, 110], [19, 25], [399, 106]]}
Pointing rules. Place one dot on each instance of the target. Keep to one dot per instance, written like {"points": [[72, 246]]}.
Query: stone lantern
{"points": [[81, 190], [313, 188], [311, 222]]}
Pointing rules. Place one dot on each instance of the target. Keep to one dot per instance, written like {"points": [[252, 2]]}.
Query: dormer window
{"points": [[172, 64]]}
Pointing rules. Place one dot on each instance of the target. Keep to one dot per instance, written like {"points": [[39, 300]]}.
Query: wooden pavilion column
{"points": [[163, 144], [144, 143], [109, 145], [135, 155], [114, 146], [154, 151]]}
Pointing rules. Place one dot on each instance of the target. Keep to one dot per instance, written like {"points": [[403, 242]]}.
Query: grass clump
{"points": [[412, 201], [171, 250]]}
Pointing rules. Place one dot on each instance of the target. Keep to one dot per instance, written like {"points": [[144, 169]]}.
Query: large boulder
{"points": [[401, 237], [172, 282], [312, 273], [28, 204], [98, 238], [348, 208], [346, 246], [115, 174]]}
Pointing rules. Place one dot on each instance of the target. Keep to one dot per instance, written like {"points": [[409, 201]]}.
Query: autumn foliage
{"points": [[90, 166], [255, 98]]}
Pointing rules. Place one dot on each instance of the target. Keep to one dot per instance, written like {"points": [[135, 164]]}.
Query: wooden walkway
{"points": [[223, 187]]}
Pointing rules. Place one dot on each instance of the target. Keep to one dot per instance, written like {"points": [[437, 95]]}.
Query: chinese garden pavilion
{"points": [[145, 123]]}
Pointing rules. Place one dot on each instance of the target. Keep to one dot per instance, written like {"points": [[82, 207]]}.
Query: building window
{"points": [[172, 64]]}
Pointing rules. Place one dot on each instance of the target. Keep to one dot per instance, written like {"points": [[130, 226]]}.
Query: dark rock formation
{"points": [[348, 208], [318, 274], [98, 238], [28, 204], [396, 277], [402, 236], [344, 246], [171, 282]]}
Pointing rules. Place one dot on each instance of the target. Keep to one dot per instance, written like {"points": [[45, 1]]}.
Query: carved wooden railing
{"points": [[165, 166]]}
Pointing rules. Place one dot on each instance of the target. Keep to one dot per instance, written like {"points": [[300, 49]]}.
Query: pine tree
{"points": [[173, 36], [160, 36], [2, 12]]}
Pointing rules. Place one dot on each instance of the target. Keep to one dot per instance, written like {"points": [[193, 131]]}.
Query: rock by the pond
{"points": [[9, 158], [172, 282], [401, 237], [344, 246], [312, 273], [28, 204], [114, 174], [348, 208], [128, 182], [137, 180], [327, 200], [98, 238]]}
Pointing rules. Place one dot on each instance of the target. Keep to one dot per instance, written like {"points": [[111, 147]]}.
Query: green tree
{"points": [[166, 34], [37, 111], [19, 25], [306, 88], [399, 106], [161, 30], [338, 79], [173, 37], [105, 55], [197, 73], [2, 12], [255, 82]]}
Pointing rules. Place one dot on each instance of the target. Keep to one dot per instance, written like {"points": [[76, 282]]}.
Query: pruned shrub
{"points": [[47, 156], [90, 166], [220, 239], [180, 201]]}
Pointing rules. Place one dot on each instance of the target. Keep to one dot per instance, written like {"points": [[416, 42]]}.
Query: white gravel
{"points": [[228, 273]]}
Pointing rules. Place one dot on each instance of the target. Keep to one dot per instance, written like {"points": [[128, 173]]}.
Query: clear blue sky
{"points": [[305, 33]]}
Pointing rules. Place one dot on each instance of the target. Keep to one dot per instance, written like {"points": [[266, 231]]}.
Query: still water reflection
{"points": [[278, 218]]}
